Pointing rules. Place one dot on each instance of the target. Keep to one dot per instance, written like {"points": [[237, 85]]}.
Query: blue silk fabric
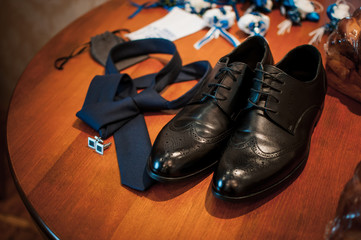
{"points": [[113, 107]]}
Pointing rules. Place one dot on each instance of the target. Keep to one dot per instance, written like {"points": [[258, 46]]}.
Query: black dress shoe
{"points": [[191, 142], [272, 138]]}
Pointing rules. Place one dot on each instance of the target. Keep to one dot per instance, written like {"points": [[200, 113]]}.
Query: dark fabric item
{"points": [[113, 106], [100, 46]]}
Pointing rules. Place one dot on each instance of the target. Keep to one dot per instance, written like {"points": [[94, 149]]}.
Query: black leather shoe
{"points": [[191, 142], [272, 138]]}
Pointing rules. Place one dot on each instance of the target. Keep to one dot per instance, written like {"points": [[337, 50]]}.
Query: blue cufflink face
{"points": [[99, 148], [91, 142], [96, 143]]}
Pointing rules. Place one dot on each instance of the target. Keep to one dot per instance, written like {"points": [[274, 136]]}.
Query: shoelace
{"points": [[223, 72], [264, 93]]}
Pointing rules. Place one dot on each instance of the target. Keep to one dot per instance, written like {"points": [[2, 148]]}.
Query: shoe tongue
{"points": [[261, 99], [228, 79], [232, 65], [237, 66], [279, 73], [272, 69], [265, 88]]}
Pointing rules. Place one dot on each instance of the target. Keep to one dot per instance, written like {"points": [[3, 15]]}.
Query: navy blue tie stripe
{"points": [[112, 105]]}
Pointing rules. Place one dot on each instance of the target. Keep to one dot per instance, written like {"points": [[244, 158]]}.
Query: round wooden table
{"points": [[74, 193]]}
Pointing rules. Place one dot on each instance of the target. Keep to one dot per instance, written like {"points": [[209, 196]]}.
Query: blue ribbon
{"points": [[212, 33], [140, 7]]}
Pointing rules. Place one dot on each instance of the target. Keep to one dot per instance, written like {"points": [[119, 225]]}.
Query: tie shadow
{"points": [[82, 127]]}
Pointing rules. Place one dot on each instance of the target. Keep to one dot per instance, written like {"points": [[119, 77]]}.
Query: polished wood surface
{"points": [[75, 193]]}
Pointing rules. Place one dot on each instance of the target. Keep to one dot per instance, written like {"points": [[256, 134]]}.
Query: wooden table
{"points": [[74, 193]]}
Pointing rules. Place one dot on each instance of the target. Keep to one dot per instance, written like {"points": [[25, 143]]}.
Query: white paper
{"points": [[176, 24]]}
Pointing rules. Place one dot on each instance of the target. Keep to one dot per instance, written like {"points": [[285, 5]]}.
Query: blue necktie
{"points": [[113, 107]]}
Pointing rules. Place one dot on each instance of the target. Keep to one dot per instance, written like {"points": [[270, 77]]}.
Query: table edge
{"points": [[44, 229]]}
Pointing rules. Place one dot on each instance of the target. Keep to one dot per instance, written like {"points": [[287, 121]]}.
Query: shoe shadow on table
{"points": [[232, 209], [166, 191], [350, 103]]}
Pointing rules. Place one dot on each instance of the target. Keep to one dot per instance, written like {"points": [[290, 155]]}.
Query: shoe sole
{"points": [[174, 179]]}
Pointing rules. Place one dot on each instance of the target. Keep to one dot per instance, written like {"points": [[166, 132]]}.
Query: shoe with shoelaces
{"points": [[272, 138], [193, 140]]}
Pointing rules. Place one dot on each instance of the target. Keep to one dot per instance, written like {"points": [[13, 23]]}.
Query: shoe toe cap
{"points": [[232, 184], [176, 155], [164, 165]]}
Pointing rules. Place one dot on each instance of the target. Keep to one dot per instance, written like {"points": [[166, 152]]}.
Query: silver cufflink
{"points": [[96, 143]]}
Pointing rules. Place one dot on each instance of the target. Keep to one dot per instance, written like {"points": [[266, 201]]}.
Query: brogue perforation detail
{"points": [[193, 132], [252, 143]]}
